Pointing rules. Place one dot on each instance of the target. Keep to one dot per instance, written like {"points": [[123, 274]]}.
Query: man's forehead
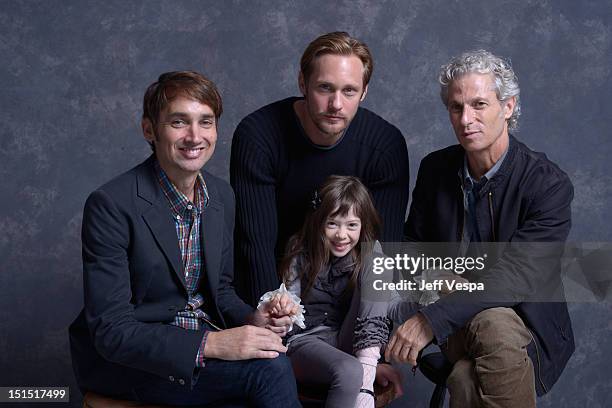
{"points": [[332, 65], [182, 104], [473, 83]]}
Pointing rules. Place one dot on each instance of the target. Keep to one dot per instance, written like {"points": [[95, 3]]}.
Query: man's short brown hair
{"points": [[337, 43], [180, 83]]}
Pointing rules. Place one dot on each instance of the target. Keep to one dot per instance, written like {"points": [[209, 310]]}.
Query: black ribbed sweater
{"points": [[274, 170]]}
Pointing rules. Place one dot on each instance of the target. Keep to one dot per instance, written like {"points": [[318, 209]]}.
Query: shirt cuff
{"points": [[200, 359]]}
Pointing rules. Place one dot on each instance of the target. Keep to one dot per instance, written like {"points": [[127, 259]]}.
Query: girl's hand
{"points": [[280, 306], [275, 315]]}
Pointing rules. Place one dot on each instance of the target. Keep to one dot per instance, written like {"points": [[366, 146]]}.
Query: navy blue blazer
{"points": [[134, 284]]}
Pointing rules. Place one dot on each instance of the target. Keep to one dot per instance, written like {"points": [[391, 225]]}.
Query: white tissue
{"points": [[297, 318]]}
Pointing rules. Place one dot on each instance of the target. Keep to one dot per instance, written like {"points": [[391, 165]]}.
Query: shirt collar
{"points": [[178, 202], [469, 180]]}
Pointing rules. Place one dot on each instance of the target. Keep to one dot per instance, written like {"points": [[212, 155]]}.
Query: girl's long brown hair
{"points": [[337, 195]]}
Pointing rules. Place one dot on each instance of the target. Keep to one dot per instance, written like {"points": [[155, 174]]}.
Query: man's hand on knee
{"points": [[243, 343], [409, 339]]}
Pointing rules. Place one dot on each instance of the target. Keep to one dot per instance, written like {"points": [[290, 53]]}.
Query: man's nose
{"points": [[335, 101], [467, 116], [193, 132]]}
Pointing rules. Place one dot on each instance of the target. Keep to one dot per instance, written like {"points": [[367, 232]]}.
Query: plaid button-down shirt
{"points": [[187, 220]]}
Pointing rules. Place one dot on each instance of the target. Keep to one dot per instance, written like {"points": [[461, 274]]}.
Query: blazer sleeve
{"points": [[234, 310]]}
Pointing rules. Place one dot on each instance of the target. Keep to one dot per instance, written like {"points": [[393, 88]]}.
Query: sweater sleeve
{"points": [[252, 175], [389, 185]]}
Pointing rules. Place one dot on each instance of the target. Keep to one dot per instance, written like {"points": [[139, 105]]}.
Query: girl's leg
{"points": [[368, 358], [317, 362]]}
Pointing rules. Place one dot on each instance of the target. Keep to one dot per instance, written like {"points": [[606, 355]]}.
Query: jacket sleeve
{"points": [[528, 269], [389, 184], [414, 228], [234, 310], [252, 176], [161, 349]]}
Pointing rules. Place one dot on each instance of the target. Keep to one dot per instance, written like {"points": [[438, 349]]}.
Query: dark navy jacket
{"points": [[527, 201], [134, 284]]}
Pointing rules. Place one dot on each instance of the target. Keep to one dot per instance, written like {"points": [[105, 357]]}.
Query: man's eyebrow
{"points": [[207, 116], [177, 114], [186, 115]]}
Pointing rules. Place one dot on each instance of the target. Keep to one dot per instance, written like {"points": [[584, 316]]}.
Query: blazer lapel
{"points": [[158, 218]]}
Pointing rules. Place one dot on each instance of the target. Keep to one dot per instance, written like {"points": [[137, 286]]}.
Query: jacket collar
{"points": [[504, 169]]}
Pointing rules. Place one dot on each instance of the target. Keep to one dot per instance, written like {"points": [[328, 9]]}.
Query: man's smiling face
{"points": [[184, 137]]}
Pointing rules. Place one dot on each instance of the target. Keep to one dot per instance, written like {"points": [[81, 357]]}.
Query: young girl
{"points": [[326, 261]]}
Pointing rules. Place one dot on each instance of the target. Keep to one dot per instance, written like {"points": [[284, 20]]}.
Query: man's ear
{"points": [[508, 106], [302, 83], [147, 130], [363, 95]]}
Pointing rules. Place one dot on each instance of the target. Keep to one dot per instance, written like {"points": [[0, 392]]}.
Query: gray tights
{"points": [[316, 360]]}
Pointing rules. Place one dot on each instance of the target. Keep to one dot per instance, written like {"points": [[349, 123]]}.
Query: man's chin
{"points": [[331, 133], [193, 166]]}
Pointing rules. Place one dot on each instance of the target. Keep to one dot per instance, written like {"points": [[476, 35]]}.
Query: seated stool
{"points": [[93, 400], [436, 368]]}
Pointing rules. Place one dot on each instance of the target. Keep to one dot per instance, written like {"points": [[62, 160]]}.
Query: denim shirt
{"points": [[470, 188]]}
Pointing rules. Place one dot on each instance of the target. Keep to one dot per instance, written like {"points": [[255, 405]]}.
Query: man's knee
{"points": [[270, 382], [496, 330], [274, 368]]}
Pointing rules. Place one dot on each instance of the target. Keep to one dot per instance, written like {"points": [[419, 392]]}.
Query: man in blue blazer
{"points": [[161, 322]]}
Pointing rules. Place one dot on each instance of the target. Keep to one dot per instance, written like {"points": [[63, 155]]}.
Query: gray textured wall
{"points": [[72, 78]]}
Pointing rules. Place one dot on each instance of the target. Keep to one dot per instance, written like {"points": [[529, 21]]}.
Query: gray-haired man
{"points": [[491, 188]]}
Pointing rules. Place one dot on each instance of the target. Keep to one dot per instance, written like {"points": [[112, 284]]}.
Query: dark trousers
{"points": [[247, 383]]}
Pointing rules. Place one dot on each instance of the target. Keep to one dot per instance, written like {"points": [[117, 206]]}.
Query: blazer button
{"points": [[171, 378], [181, 381]]}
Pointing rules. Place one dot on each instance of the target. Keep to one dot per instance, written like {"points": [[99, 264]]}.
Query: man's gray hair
{"points": [[483, 62]]}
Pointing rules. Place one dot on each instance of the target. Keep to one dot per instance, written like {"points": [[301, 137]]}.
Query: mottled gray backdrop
{"points": [[73, 73]]}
